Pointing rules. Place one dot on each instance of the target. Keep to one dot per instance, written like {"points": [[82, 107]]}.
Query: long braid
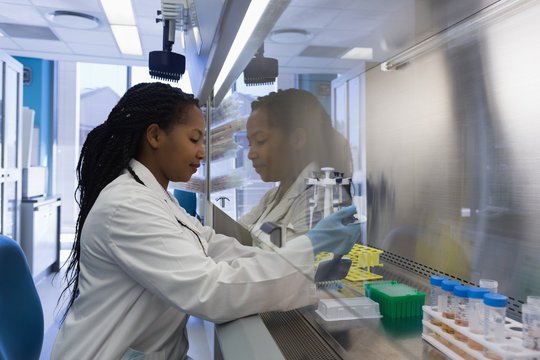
{"points": [[109, 148]]}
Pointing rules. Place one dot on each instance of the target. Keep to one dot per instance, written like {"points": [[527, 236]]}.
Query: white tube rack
{"points": [[511, 348]]}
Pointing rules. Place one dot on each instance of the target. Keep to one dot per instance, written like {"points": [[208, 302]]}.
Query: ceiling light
{"points": [[290, 36], [358, 53], [250, 21], [73, 20], [127, 38], [119, 12], [1, 34], [122, 21]]}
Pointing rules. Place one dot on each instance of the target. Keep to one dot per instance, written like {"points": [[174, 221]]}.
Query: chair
{"points": [[187, 200], [21, 315]]}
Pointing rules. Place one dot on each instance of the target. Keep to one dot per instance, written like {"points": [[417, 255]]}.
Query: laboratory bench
{"points": [[303, 334]]}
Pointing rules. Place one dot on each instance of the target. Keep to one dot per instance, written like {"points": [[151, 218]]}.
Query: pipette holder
{"points": [[325, 181], [511, 348]]}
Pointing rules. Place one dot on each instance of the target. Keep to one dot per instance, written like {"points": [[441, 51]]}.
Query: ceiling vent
{"points": [[28, 32], [324, 51], [73, 20]]}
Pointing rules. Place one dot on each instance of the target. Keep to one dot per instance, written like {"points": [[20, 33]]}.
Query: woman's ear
{"points": [[298, 139], [153, 134]]}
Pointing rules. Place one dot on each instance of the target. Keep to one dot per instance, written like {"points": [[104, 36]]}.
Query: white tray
{"points": [[512, 348]]}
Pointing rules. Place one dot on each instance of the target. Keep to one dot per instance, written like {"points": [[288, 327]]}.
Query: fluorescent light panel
{"points": [[359, 53], [250, 21], [119, 12], [127, 38], [122, 21]]}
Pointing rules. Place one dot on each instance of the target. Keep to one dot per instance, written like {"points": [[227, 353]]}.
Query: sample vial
{"points": [[476, 315], [492, 285], [531, 326], [435, 290], [446, 306], [446, 303], [494, 316], [461, 309]]}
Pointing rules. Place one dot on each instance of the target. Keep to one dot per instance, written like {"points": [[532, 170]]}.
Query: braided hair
{"points": [[291, 109], [110, 146]]}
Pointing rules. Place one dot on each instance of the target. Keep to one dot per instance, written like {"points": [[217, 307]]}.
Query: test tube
{"points": [[435, 291], [445, 305], [531, 326], [492, 285], [461, 309], [476, 315], [495, 317]]}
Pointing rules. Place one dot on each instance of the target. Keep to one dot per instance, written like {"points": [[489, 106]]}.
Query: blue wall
{"points": [[38, 95]]}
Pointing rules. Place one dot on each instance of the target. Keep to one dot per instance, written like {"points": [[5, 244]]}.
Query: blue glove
{"points": [[335, 233]]}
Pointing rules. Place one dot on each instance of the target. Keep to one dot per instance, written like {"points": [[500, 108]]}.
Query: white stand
{"points": [[511, 348]]}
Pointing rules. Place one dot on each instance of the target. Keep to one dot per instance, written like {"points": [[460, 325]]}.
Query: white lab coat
{"points": [[292, 211], [142, 273]]}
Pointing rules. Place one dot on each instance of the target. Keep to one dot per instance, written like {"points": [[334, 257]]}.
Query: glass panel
{"points": [[235, 186], [101, 86], [11, 118]]}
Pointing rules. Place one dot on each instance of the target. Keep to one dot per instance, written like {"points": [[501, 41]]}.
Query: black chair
{"points": [[21, 314]]}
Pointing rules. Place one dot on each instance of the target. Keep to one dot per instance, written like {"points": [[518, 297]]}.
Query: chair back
{"points": [[21, 315], [187, 200]]}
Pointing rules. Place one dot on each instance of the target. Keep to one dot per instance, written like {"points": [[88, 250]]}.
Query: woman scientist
{"points": [[141, 265], [291, 136]]}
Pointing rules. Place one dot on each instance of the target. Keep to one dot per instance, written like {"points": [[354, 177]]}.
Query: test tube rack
{"points": [[511, 348], [363, 259]]}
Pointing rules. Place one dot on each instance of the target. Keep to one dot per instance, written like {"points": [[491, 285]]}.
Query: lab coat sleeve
{"points": [[167, 260], [297, 252]]}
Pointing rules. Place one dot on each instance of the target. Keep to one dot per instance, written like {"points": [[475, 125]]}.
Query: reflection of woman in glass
{"points": [[291, 135]]}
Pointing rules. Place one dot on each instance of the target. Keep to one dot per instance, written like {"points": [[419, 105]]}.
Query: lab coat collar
{"points": [[147, 178]]}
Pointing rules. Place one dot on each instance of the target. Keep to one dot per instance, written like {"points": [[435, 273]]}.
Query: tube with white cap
{"points": [[357, 196]]}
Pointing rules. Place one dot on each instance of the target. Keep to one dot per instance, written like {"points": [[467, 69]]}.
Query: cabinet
{"points": [[10, 145], [40, 234]]}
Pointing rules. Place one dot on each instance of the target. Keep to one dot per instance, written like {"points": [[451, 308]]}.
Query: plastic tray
{"points": [[348, 309], [396, 300], [453, 348]]}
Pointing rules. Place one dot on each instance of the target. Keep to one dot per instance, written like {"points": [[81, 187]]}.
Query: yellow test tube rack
{"points": [[363, 259]]}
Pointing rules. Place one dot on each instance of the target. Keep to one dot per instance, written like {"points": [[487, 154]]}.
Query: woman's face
{"points": [[268, 147], [182, 149]]}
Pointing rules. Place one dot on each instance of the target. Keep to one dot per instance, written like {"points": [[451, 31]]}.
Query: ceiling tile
{"points": [[6, 43], [341, 38], [309, 61], [272, 49], [151, 43], [73, 5], [27, 31], [21, 14], [146, 7], [91, 37], [335, 4], [43, 45], [95, 50], [306, 17], [148, 25], [324, 51], [355, 21], [311, 70]]}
